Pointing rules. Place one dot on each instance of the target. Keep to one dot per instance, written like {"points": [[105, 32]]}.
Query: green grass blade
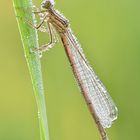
{"points": [[30, 41]]}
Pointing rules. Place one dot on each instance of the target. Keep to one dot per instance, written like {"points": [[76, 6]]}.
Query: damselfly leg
{"points": [[53, 40], [44, 28]]}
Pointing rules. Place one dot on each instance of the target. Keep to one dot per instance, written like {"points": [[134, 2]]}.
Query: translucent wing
{"points": [[102, 102]]}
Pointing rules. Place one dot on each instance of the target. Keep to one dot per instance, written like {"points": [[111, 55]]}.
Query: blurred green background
{"points": [[109, 32]]}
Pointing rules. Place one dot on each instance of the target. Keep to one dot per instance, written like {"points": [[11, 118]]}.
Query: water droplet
{"points": [[52, 2], [34, 6], [25, 55], [40, 54], [38, 114], [31, 50], [41, 14]]}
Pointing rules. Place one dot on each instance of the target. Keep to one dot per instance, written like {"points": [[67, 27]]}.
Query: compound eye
{"points": [[47, 4]]}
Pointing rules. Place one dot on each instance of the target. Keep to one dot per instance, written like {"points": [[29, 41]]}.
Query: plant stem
{"points": [[30, 41]]}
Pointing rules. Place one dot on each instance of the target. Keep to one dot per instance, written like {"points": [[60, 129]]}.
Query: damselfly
{"points": [[100, 103]]}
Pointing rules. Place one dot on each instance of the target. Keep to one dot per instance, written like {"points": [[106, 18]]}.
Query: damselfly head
{"points": [[46, 4]]}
